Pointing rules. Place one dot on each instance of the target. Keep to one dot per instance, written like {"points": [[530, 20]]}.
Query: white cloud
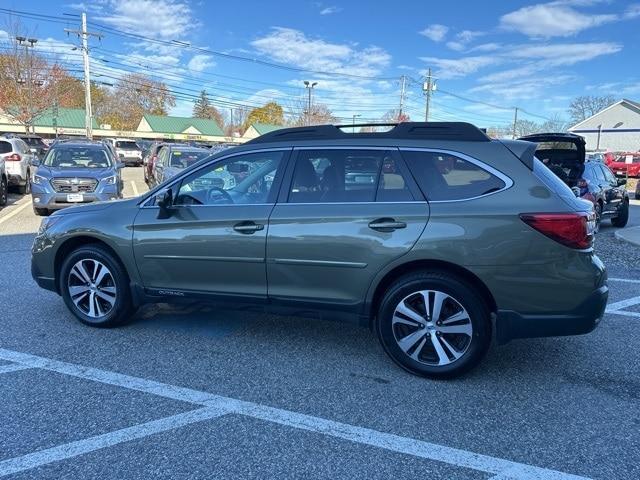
{"points": [[566, 54], [4, 35], [460, 67], [486, 47], [200, 62], [163, 19], [330, 10], [555, 19], [527, 88], [293, 47], [435, 32]]}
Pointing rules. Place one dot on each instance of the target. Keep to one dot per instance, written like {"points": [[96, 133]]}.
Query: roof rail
{"points": [[460, 131]]}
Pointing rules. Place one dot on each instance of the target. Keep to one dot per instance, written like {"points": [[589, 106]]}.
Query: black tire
{"points": [[3, 191], [26, 188], [41, 212], [464, 295], [122, 309], [622, 218]]}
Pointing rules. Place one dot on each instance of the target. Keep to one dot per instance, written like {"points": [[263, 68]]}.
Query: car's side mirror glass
{"points": [[164, 201]]}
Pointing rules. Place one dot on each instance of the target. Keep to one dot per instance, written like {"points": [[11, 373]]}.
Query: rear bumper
{"points": [[584, 319], [15, 179]]}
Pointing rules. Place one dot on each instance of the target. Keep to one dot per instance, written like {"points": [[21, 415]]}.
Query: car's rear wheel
{"points": [[434, 324], [95, 287], [622, 218], [26, 188], [3, 191]]}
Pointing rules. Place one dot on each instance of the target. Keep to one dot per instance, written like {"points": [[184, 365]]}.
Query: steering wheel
{"points": [[217, 195]]}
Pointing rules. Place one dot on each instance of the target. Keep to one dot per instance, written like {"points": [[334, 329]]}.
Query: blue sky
{"points": [[536, 56]]}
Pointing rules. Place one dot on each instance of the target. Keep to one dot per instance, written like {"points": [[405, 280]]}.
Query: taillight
{"points": [[13, 157], [574, 230]]}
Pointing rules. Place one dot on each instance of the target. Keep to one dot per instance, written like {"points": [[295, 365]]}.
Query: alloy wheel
{"points": [[432, 327], [92, 288]]}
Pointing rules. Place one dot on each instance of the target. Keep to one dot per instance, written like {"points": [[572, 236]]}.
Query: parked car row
{"points": [[590, 179], [165, 160]]}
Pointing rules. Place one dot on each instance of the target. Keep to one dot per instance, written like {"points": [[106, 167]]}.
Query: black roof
{"points": [[459, 131]]}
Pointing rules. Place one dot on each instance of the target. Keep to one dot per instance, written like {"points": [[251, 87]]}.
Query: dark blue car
{"points": [[75, 172]]}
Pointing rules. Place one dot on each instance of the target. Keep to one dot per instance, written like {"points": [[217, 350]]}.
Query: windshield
{"points": [[77, 157], [185, 158], [127, 145], [34, 141]]}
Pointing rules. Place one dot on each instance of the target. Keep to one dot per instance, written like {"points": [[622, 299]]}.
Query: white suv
{"points": [[18, 160], [4, 181], [128, 151]]}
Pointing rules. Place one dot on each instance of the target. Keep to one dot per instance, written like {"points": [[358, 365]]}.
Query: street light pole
{"points": [[28, 43], [309, 86]]}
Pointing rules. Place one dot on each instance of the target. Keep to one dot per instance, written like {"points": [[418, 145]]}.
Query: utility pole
{"points": [[428, 87], [353, 128], [403, 83], [515, 122], [28, 43], [309, 86], [84, 35], [231, 122]]}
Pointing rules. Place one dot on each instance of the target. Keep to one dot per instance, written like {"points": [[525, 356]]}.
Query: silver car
{"points": [[18, 159]]}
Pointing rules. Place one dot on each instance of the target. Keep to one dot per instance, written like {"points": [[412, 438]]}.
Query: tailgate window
{"points": [[5, 147]]}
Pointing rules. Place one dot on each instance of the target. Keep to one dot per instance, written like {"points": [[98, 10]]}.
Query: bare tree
{"points": [[395, 116], [585, 106], [29, 84]]}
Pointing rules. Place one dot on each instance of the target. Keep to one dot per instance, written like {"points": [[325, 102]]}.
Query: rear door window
{"points": [[5, 147], [446, 177]]}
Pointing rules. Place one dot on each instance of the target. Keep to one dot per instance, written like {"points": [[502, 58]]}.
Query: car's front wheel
{"points": [[95, 287], [434, 324]]}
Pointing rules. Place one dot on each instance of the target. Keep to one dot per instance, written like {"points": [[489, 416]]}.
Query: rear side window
{"points": [[343, 176], [445, 177], [5, 147]]}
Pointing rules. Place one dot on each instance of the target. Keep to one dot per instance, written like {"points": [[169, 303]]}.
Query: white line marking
{"points": [[135, 189], [625, 313], [409, 446], [626, 280], [80, 447], [14, 367], [611, 308], [13, 213]]}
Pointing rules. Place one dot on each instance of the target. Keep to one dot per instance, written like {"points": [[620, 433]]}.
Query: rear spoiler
{"points": [[524, 151]]}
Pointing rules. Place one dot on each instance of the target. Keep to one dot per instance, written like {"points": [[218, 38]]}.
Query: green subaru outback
{"points": [[432, 234]]}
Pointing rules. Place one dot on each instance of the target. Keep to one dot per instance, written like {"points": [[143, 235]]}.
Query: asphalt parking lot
{"points": [[192, 392]]}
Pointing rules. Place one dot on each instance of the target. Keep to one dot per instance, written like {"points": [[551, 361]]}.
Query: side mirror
{"points": [[35, 162], [164, 201], [119, 165], [622, 181]]}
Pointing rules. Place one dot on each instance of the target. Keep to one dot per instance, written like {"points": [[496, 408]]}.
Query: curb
{"points": [[631, 235]]}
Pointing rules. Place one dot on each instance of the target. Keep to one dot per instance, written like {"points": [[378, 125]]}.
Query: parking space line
{"points": [[13, 213], [366, 436], [625, 280], [625, 313], [135, 189], [14, 367], [80, 447], [612, 308]]}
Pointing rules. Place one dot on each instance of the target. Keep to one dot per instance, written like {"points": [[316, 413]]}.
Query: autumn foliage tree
{"points": [[271, 113]]}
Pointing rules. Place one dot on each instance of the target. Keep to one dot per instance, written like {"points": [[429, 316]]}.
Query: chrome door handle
{"points": [[386, 225], [248, 227]]}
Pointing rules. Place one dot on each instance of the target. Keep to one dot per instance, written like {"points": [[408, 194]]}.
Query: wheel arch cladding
{"points": [[432, 266], [76, 242]]}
